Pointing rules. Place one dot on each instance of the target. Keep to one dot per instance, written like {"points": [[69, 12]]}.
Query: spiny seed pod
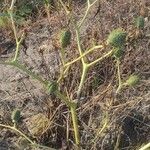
{"points": [[65, 38], [15, 116], [52, 87], [132, 80], [117, 38], [139, 22], [118, 52]]}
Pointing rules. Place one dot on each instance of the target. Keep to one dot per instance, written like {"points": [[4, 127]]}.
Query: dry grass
{"points": [[106, 121]]}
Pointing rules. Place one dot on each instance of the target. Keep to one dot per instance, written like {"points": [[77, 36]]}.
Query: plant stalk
{"points": [[17, 48], [24, 69], [84, 54], [79, 45], [18, 131], [101, 58], [119, 76], [87, 11], [84, 73], [146, 147], [75, 123], [72, 106], [23, 135]]}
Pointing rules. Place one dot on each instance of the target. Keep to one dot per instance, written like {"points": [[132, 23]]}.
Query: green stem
{"points": [[75, 123], [72, 106], [62, 74], [145, 147], [15, 30], [84, 17], [24, 69], [17, 47], [16, 130], [63, 98], [119, 76], [23, 135], [79, 45], [84, 73], [84, 54], [104, 127], [86, 13], [17, 51], [101, 58], [15, 125], [12, 19], [62, 53], [84, 65]]}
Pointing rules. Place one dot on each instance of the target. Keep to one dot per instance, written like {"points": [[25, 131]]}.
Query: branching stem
{"points": [[23, 135], [75, 123], [18, 131], [87, 11], [84, 73], [25, 70], [101, 58], [119, 76], [84, 54]]}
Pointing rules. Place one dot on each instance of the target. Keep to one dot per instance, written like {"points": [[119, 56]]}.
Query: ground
{"points": [[106, 121]]}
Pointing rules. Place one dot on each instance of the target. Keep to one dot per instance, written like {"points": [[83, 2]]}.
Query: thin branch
{"points": [[86, 13], [84, 54], [12, 20], [101, 58]]}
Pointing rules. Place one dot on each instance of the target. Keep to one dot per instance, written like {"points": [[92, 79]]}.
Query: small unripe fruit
{"points": [[65, 38], [117, 38], [139, 22], [15, 116], [132, 80]]}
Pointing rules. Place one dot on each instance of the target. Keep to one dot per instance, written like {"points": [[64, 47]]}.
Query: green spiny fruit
{"points": [[65, 38], [132, 80], [139, 22], [117, 38], [118, 52], [15, 116]]}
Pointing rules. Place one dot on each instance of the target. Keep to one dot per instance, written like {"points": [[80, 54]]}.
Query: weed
{"points": [[116, 40]]}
